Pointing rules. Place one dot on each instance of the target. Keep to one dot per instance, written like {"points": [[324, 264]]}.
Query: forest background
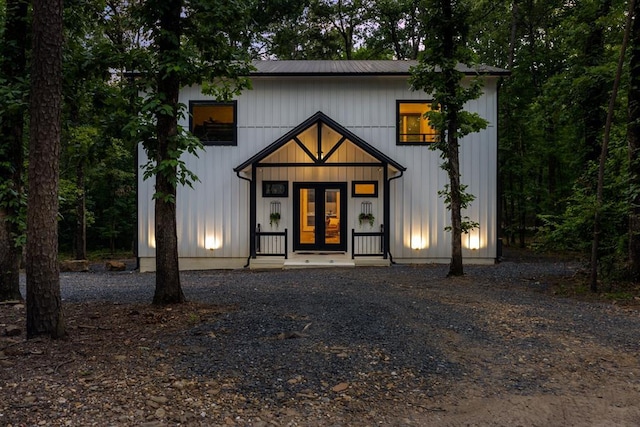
{"points": [[562, 56]]}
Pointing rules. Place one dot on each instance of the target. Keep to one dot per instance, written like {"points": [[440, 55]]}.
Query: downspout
{"points": [[388, 230], [499, 188], [250, 234]]}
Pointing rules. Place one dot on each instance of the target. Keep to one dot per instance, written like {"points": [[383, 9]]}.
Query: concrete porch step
{"points": [[317, 261]]}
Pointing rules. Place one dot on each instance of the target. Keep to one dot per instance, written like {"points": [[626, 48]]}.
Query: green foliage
{"points": [[572, 229], [14, 90], [366, 217], [207, 52], [395, 28], [112, 193], [16, 202], [274, 218], [562, 57], [465, 201], [143, 128]]}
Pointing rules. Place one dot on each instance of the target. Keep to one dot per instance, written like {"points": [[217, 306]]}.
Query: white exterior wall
{"points": [[218, 205]]}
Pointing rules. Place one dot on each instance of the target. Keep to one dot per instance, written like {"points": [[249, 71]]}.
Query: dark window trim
{"points": [[234, 104], [409, 101], [268, 189], [375, 189]]}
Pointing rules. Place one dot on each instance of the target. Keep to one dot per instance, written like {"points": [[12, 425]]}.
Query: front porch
{"points": [[309, 188]]}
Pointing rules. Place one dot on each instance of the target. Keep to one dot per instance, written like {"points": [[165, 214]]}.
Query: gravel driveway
{"points": [[398, 346]]}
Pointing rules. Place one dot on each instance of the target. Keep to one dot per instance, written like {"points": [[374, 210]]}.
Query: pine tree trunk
{"points": [[44, 307], [13, 67], [633, 136], [168, 288]]}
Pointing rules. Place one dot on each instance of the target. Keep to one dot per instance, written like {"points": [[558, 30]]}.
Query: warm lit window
{"points": [[364, 189], [213, 122], [413, 126]]}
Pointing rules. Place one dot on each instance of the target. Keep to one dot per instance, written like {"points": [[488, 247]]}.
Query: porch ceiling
{"points": [[319, 141]]}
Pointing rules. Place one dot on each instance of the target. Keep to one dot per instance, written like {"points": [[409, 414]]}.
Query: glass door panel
{"points": [[332, 216], [318, 217], [307, 230]]}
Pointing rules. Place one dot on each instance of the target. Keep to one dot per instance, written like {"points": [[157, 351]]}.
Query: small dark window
{"points": [[413, 126], [364, 189], [275, 189], [214, 123]]}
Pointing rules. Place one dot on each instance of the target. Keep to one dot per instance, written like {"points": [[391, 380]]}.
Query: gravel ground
{"points": [[392, 346]]}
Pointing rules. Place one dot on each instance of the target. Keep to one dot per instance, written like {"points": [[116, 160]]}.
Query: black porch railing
{"points": [[271, 243], [368, 243]]}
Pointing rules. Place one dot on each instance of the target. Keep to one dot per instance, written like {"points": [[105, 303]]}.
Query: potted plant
{"points": [[366, 217], [274, 217]]}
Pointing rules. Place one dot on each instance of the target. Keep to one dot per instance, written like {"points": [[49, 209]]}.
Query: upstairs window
{"points": [[214, 122], [413, 126]]}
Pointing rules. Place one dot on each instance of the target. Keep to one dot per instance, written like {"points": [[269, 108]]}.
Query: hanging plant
{"points": [[274, 217], [366, 217]]}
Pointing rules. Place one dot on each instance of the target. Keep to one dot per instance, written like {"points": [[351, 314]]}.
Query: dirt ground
{"points": [[118, 367]]}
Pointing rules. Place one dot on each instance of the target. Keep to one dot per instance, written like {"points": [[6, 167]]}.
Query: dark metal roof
{"points": [[320, 117], [352, 67]]}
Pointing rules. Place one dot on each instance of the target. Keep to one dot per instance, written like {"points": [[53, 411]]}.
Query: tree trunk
{"points": [[13, 67], [168, 288], [455, 267], [81, 215], [633, 136], [44, 307]]}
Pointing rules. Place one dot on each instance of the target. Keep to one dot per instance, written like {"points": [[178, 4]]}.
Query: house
{"points": [[325, 162]]}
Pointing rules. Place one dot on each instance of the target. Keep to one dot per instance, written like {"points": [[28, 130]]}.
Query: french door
{"points": [[320, 216]]}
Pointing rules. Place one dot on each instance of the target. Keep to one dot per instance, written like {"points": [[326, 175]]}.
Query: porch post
{"points": [[387, 210], [252, 211]]}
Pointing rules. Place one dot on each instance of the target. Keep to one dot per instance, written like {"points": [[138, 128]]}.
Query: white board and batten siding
{"points": [[217, 206]]}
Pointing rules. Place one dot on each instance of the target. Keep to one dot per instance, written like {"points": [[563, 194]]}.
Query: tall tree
{"points": [[12, 74], [194, 42], [447, 29], [44, 306], [167, 39]]}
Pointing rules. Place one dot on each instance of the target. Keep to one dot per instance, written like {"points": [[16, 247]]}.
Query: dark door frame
{"points": [[320, 244]]}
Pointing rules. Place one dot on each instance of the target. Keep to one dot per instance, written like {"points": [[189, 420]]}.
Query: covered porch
{"points": [[319, 196]]}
